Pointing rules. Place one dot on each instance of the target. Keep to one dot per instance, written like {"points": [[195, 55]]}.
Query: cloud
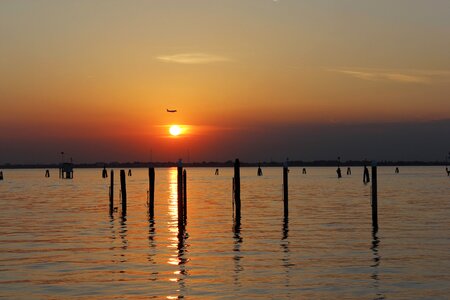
{"points": [[192, 58], [402, 76]]}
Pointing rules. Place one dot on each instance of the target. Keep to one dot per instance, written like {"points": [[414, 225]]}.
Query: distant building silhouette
{"points": [[66, 171]]}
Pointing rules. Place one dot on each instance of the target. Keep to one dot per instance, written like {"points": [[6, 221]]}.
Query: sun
{"points": [[175, 130]]}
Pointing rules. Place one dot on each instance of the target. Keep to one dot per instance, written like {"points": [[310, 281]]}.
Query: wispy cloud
{"points": [[192, 58], [403, 76]]}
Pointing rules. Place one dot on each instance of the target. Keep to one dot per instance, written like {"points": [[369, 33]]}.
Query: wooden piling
{"points": [[366, 178], [111, 193], [123, 188], [1, 175], [151, 192], [185, 195], [237, 188], [374, 196], [180, 189], [285, 189]]}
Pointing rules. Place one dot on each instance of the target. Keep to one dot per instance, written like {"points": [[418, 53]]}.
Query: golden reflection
{"points": [[178, 235], [173, 204]]}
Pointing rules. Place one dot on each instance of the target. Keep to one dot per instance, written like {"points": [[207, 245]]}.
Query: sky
{"points": [[256, 79]]}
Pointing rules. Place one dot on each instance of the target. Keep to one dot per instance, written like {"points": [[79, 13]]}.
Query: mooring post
{"points": [[111, 193], [374, 196], [123, 188], [366, 178], [237, 188], [1, 175], [285, 188], [180, 188], [185, 195], [151, 192]]}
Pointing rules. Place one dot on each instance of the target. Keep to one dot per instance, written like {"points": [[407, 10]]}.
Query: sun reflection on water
{"points": [[177, 238]]}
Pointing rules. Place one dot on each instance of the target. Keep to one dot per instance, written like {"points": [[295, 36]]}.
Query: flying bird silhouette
{"points": [[171, 110]]}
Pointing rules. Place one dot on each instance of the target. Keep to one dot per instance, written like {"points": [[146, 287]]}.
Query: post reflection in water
{"points": [[237, 249], [284, 244], [123, 237], [119, 235], [376, 262], [179, 235], [152, 247]]}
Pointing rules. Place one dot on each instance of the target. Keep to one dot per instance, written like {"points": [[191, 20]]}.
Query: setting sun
{"points": [[175, 130]]}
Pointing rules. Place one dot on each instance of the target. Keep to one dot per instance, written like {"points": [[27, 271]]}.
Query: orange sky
{"points": [[107, 70]]}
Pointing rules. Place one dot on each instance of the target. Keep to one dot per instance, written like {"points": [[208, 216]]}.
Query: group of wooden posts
{"points": [[182, 192], [237, 191]]}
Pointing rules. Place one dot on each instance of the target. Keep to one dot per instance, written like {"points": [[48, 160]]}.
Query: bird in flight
{"points": [[171, 110]]}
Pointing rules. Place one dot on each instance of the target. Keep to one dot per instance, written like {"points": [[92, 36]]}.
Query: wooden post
{"points": [[1, 175], [366, 178], [180, 188], [374, 196], [237, 188], [123, 188], [151, 192], [232, 196], [111, 193], [184, 195], [285, 188]]}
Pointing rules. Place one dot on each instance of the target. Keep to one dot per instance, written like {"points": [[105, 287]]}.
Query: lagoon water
{"points": [[58, 239]]}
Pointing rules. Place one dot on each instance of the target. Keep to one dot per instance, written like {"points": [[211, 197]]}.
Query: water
{"points": [[59, 241]]}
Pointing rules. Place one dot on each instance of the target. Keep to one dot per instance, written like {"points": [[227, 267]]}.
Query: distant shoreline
{"points": [[317, 163]]}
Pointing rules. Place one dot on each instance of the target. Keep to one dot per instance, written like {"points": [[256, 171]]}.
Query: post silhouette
{"points": [[366, 178], [180, 189], [123, 188], [111, 193], [260, 173], [285, 188], [151, 192], [1, 175], [237, 188], [338, 172], [185, 195], [374, 196]]}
